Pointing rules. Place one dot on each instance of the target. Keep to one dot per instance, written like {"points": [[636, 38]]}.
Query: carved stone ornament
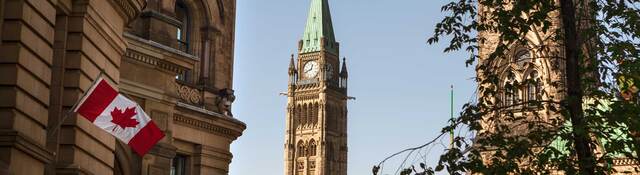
{"points": [[312, 164], [188, 94], [225, 98]]}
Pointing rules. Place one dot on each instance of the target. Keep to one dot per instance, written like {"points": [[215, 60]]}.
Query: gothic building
{"points": [[173, 57], [532, 71], [316, 118]]}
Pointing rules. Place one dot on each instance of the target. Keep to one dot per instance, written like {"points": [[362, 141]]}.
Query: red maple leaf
{"points": [[124, 118]]}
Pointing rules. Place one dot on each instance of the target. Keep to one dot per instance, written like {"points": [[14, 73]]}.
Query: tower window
{"points": [[182, 33], [301, 151], [522, 57], [312, 148], [534, 87], [511, 91]]}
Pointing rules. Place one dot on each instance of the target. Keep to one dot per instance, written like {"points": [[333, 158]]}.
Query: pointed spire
{"points": [[292, 66], [343, 71], [318, 33]]}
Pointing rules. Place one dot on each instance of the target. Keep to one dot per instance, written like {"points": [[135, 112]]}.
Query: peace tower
{"points": [[316, 118]]}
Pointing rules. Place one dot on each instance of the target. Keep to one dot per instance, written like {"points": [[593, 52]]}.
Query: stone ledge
{"points": [[155, 62], [11, 138], [161, 46], [209, 127], [161, 17], [130, 8], [164, 150]]}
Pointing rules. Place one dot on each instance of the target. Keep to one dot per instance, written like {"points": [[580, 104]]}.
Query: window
{"points": [[298, 116], [509, 97], [301, 150], [182, 33], [522, 57], [534, 87], [184, 76], [312, 148], [303, 115], [179, 165], [511, 94]]}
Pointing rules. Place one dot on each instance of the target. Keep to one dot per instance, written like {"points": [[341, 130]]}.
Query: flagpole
{"points": [[71, 111], [451, 134]]}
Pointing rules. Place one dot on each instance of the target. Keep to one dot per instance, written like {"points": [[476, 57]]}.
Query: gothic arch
{"points": [[300, 149], [297, 114], [510, 90], [534, 86], [314, 116], [312, 148], [305, 113]]}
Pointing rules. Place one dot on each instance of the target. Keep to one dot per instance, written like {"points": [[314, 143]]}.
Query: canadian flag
{"points": [[120, 116]]}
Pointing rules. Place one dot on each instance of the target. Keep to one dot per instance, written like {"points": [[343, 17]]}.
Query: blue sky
{"points": [[401, 83]]}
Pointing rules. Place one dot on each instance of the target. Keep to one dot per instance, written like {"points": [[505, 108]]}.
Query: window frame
{"points": [[183, 32], [535, 84], [182, 168], [511, 93]]}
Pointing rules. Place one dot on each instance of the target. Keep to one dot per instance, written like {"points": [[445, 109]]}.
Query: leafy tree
{"points": [[588, 113]]}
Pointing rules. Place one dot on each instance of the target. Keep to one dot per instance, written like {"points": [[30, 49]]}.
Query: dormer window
{"points": [[183, 32]]}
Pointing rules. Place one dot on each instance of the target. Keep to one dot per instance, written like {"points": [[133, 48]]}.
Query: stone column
{"points": [[93, 47], [26, 49]]}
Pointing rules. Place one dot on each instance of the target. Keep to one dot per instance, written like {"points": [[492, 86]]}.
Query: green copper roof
{"points": [[619, 133], [318, 26]]}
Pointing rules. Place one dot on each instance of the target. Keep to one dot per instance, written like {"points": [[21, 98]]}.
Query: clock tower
{"points": [[316, 117]]}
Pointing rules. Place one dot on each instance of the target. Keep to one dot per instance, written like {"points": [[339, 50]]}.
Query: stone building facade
{"points": [[316, 117], [529, 71], [173, 57]]}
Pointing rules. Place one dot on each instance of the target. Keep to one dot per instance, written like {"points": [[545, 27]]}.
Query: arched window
{"points": [[312, 148], [310, 114], [316, 111], [303, 117], [511, 93], [301, 151], [522, 57], [534, 87], [298, 115], [183, 31]]}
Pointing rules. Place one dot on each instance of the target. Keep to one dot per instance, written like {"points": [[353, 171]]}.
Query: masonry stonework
{"points": [[176, 64], [316, 117]]}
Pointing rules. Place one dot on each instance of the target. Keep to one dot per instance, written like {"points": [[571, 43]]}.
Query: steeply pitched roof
{"points": [[318, 25]]}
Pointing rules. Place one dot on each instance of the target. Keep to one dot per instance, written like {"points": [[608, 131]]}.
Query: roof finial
{"points": [[343, 72], [292, 66]]}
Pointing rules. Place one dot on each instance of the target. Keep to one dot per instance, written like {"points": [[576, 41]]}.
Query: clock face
{"points": [[311, 69]]}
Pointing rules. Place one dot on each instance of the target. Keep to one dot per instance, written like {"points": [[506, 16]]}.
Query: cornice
{"points": [[154, 62], [130, 8], [160, 47], [205, 126], [162, 17], [213, 114]]}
